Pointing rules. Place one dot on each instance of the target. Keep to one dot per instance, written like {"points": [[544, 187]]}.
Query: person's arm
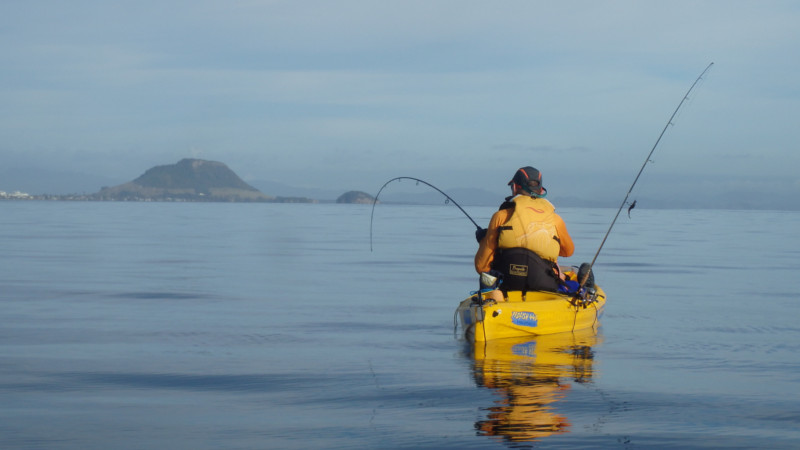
{"points": [[488, 245], [567, 246]]}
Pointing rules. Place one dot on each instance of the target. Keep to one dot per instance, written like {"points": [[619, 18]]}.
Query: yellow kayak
{"points": [[528, 314]]}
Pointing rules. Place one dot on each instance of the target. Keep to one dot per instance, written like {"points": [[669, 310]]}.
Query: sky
{"points": [[344, 95]]}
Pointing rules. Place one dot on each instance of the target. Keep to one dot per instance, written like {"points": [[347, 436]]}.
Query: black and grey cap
{"points": [[529, 178]]}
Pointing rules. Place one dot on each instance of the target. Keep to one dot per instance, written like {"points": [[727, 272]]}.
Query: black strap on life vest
{"points": [[508, 203]]}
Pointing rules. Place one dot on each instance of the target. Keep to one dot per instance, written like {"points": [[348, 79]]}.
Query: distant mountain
{"points": [[195, 174], [188, 180]]}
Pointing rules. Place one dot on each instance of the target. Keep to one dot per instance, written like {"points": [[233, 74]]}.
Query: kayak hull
{"points": [[528, 314]]}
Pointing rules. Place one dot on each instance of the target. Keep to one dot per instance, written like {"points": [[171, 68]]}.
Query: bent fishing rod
{"points": [[647, 160], [449, 199]]}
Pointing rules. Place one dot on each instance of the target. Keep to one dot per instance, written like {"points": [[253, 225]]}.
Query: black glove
{"points": [[480, 233]]}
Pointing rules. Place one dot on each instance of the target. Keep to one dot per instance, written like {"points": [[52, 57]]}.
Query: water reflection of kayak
{"points": [[484, 317], [531, 375]]}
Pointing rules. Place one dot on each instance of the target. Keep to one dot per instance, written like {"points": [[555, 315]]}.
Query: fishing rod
{"points": [[647, 160], [449, 199]]}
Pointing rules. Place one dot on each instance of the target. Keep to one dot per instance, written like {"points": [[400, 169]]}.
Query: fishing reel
{"points": [[489, 283], [584, 297]]}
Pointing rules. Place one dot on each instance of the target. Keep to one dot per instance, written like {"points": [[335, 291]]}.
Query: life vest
{"points": [[532, 226]]}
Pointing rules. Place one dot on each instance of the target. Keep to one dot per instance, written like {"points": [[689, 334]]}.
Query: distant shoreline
{"points": [[21, 196], [655, 205]]}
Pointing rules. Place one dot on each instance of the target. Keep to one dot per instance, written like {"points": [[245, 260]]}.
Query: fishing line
{"points": [[646, 160], [449, 199]]}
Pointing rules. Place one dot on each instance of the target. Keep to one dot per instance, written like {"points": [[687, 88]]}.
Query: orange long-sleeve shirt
{"points": [[488, 246]]}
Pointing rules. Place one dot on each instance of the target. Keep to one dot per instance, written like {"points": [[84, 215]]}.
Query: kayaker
{"points": [[525, 237]]}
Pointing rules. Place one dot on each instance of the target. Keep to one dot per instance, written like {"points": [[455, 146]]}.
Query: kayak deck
{"points": [[528, 314]]}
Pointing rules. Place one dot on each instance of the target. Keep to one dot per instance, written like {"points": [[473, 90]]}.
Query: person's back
{"points": [[525, 238]]}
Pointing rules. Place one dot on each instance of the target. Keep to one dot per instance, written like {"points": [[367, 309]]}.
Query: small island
{"points": [[355, 197]]}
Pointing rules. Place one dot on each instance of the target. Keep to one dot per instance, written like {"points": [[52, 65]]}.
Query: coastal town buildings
{"points": [[16, 195]]}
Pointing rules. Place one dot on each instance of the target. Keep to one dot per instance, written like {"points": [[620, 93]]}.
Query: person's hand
{"points": [[480, 233]]}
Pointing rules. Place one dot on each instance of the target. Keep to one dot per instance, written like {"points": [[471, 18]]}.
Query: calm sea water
{"points": [[205, 326]]}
